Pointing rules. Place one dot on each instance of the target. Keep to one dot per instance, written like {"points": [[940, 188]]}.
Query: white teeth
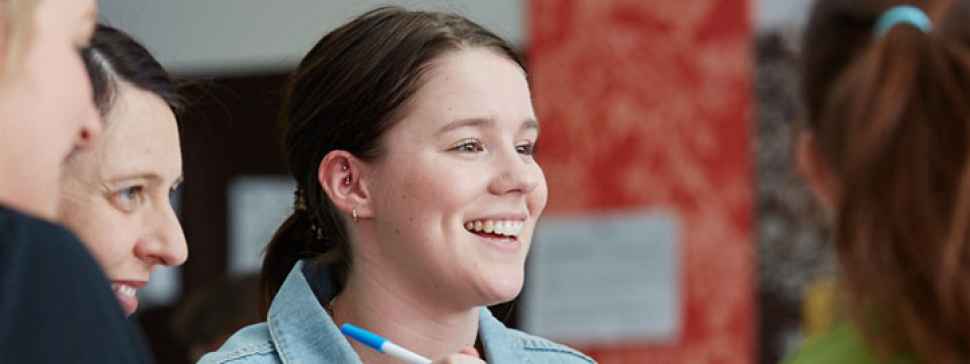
{"points": [[124, 289], [510, 228]]}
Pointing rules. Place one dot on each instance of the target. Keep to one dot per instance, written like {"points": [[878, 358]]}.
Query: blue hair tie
{"points": [[903, 14]]}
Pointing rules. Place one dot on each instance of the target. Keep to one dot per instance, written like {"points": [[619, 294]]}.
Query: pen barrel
{"points": [[405, 355]]}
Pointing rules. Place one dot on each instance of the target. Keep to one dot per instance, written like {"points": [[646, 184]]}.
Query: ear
{"points": [[340, 174], [814, 170]]}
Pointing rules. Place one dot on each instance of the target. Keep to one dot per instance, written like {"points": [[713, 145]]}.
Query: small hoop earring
{"points": [[354, 214]]}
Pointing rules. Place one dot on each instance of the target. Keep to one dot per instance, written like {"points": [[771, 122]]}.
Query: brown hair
{"points": [[891, 118], [348, 90], [207, 317], [114, 56]]}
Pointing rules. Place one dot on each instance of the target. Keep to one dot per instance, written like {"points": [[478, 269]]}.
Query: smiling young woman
{"points": [[411, 138]]}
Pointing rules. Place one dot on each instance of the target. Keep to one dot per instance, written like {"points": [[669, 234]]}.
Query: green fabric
{"points": [[843, 345]]}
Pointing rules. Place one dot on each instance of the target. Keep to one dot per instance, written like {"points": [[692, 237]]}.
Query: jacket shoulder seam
{"points": [[247, 351]]}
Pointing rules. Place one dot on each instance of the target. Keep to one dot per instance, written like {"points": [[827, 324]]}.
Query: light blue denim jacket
{"points": [[299, 330]]}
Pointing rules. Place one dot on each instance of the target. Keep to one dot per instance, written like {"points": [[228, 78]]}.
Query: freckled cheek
{"points": [[439, 194], [403, 208], [427, 208]]}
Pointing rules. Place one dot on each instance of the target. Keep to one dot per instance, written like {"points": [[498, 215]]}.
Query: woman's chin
{"points": [[497, 290]]}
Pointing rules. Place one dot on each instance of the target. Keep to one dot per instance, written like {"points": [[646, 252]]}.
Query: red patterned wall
{"points": [[647, 103]]}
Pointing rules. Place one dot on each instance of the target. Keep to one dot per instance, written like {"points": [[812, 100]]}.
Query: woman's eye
{"points": [[129, 198], [526, 148], [470, 146]]}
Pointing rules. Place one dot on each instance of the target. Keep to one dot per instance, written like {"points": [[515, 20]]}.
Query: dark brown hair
{"points": [[348, 90], [891, 118], [115, 56], [208, 316]]}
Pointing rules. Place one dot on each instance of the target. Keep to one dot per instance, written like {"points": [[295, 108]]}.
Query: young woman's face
{"points": [[48, 104], [115, 195], [457, 193]]}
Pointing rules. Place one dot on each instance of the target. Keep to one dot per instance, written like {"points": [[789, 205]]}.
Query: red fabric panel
{"points": [[648, 103]]}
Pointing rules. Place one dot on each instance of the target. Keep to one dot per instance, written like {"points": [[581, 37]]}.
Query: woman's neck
{"points": [[421, 324]]}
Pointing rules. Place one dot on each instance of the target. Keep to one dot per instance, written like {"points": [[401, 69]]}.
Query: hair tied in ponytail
{"points": [[300, 208]]}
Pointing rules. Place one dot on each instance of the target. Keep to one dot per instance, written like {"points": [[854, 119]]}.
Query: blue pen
{"points": [[382, 345]]}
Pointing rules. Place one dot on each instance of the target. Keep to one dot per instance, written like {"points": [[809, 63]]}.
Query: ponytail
{"points": [[296, 239], [890, 116], [285, 249]]}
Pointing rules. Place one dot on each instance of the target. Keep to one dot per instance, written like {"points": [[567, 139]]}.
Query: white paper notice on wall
{"points": [[257, 207], [605, 278]]}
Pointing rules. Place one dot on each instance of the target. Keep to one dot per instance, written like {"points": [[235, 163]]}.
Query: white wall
{"points": [[203, 36], [774, 14], [225, 36]]}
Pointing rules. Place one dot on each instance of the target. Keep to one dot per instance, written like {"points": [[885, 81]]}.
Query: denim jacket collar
{"points": [[301, 328], [499, 346]]}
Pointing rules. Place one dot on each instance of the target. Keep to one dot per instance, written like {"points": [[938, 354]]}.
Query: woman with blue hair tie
{"points": [[885, 146]]}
